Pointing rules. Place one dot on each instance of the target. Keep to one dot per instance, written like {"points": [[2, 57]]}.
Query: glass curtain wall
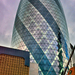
{"points": [[40, 28]]}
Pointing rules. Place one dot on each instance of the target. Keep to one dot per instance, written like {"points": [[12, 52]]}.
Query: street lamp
{"points": [[73, 48]]}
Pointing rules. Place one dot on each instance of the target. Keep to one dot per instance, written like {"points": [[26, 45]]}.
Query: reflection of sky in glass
{"points": [[10, 12], [9, 8]]}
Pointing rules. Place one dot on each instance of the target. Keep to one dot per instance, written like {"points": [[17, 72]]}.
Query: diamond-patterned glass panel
{"points": [[41, 29]]}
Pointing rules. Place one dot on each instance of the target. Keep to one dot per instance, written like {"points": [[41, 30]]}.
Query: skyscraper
{"points": [[40, 28]]}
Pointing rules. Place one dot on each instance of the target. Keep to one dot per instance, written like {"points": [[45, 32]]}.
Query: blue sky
{"points": [[8, 9]]}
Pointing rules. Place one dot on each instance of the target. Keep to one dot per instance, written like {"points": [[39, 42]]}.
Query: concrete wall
{"points": [[33, 69]]}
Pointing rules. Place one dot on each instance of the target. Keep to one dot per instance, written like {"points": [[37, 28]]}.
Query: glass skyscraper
{"points": [[40, 28]]}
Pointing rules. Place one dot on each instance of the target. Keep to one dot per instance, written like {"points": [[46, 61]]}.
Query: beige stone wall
{"points": [[33, 69], [12, 65]]}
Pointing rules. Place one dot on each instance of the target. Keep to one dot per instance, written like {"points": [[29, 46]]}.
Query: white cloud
{"points": [[69, 9], [7, 17]]}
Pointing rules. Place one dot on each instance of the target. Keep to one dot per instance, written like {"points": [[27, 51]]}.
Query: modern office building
{"points": [[14, 62], [40, 28]]}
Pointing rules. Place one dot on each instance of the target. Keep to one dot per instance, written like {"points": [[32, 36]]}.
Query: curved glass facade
{"points": [[40, 28]]}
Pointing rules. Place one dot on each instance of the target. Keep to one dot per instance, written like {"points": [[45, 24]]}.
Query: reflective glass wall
{"points": [[40, 28]]}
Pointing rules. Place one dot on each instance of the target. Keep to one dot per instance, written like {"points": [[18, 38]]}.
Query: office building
{"points": [[14, 62], [40, 28]]}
